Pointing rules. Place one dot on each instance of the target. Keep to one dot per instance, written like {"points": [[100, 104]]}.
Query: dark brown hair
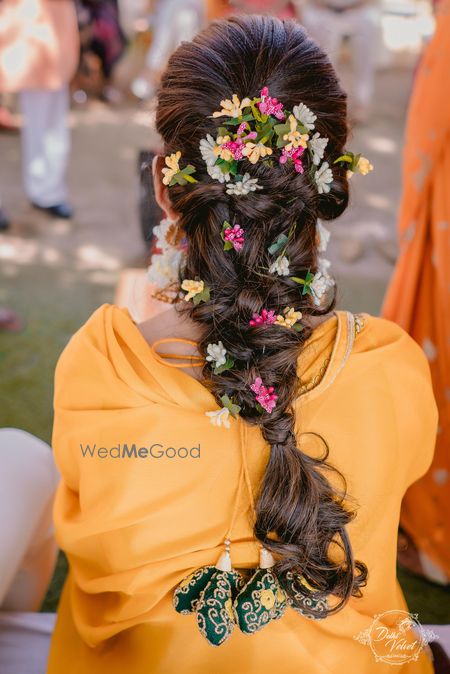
{"points": [[299, 513]]}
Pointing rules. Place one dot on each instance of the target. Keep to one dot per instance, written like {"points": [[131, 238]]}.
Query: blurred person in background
{"points": [[38, 56], [418, 295], [282, 8], [173, 22], [329, 22]]}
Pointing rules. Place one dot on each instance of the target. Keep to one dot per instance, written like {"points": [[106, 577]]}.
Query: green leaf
{"points": [[204, 296], [226, 366], [233, 167], [298, 327], [260, 409], [280, 241], [229, 404], [222, 131], [228, 245]]}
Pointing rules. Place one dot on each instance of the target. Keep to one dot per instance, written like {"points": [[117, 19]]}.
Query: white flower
{"points": [[323, 235], [216, 173], [305, 116], [323, 177], [164, 267], [220, 417], [323, 266], [217, 354], [245, 186], [161, 231], [280, 266], [317, 145], [207, 147], [319, 287]]}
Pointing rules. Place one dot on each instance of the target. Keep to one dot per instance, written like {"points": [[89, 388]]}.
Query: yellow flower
{"points": [[267, 599], [295, 138], [290, 317], [193, 288], [229, 609], [172, 167], [364, 166], [232, 108], [223, 152], [253, 151]]}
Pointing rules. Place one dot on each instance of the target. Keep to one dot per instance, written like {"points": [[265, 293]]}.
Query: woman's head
{"points": [[299, 512]]}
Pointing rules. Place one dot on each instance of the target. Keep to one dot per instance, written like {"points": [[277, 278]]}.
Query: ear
{"points": [[161, 190]]}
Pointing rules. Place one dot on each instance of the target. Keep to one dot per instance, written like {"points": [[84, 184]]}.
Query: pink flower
{"points": [[266, 317], [270, 106], [235, 147], [235, 235], [294, 154], [264, 396]]}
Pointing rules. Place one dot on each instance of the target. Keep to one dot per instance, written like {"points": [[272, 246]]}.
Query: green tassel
{"points": [[308, 605], [215, 617], [188, 592], [262, 599]]}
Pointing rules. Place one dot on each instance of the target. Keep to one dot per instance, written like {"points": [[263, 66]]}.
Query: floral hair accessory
{"points": [[196, 291], [323, 237], [233, 236], [243, 186], [323, 177], [315, 285], [356, 163], [174, 175], [265, 318], [221, 417], [289, 318], [217, 354], [266, 398], [269, 105], [280, 266]]}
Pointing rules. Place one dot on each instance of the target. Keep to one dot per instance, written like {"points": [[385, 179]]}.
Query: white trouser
{"points": [[45, 144], [174, 21], [362, 26], [28, 479]]}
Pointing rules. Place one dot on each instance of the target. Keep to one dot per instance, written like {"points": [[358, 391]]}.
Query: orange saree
{"points": [[418, 296]]}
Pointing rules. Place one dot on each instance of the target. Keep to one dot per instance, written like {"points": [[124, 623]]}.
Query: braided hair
{"points": [[300, 515]]}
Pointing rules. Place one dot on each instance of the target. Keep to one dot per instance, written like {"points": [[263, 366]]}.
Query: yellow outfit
{"points": [[133, 528]]}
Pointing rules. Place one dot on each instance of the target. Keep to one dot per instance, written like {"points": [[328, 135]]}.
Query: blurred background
{"points": [[73, 239]]}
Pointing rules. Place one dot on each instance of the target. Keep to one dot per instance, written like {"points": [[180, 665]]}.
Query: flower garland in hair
{"points": [[261, 129]]}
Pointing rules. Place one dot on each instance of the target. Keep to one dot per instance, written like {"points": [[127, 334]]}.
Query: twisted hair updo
{"points": [[300, 515]]}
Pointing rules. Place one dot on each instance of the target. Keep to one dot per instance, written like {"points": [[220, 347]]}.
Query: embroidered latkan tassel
{"points": [[309, 603], [209, 592], [262, 599], [215, 618]]}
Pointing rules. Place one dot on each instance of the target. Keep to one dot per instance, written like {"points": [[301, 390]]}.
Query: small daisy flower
{"points": [[193, 288], [232, 108], [207, 150], [216, 173], [319, 287], [323, 177], [246, 185], [323, 266], [323, 237], [317, 146], [172, 167], [217, 354], [220, 417], [305, 116], [289, 317], [280, 266]]}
